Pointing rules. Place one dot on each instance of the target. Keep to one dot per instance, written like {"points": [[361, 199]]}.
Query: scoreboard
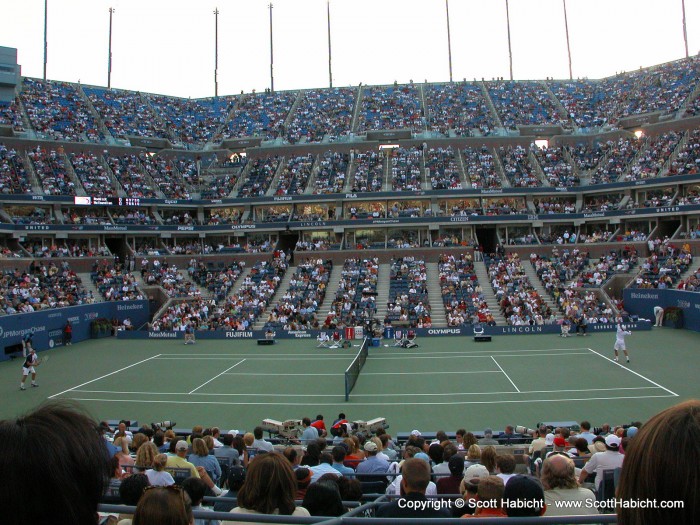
{"points": [[106, 201]]}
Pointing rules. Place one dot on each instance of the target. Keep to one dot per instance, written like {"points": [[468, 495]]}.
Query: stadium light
{"points": [[109, 53], [639, 134], [542, 143]]}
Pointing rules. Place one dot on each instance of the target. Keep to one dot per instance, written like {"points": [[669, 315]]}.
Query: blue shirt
{"points": [[372, 465]]}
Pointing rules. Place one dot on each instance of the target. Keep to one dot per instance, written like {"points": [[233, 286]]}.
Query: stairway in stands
{"points": [[483, 277], [89, 286], [437, 308], [281, 289], [537, 284], [383, 290], [333, 280]]}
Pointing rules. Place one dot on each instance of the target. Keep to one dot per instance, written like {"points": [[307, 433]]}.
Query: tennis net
{"points": [[353, 371]]}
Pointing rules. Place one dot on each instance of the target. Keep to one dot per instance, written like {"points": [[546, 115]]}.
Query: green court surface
{"points": [[445, 383]]}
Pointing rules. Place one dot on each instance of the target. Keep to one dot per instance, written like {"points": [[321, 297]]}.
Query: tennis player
{"points": [[620, 342], [189, 333], [28, 368]]}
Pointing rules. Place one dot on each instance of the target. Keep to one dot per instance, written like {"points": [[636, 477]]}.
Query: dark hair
{"points": [[326, 458], [506, 463], [312, 456], [258, 432], [227, 440], [323, 499], [195, 488], [58, 448], [131, 488], [238, 444], [669, 472], [416, 474], [435, 452], [159, 438], [524, 489], [581, 445], [350, 488], [291, 454], [270, 484], [488, 457], [585, 425], [338, 454], [163, 506], [306, 421]]}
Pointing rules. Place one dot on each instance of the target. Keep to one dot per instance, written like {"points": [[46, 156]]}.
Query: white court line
{"points": [[371, 373], [289, 357], [102, 377], [412, 403], [504, 373], [219, 375], [635, 373], [403, 352], [382, 394]]}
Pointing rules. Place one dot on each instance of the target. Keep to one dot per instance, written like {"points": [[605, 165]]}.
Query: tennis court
{"points": [[444, 383]]}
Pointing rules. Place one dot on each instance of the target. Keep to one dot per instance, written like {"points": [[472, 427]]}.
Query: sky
{"points": [[167, 47]]}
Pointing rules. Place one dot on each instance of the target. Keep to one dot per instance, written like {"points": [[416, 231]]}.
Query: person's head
{"points": [[506, 463], [352, 445], [326, 458], [236, 477], [58, 449], [456, 465], [474, 453], [415, 475], [350, 488], [338, 453], [292, 455], [131, 488], [558, 472], [448, 450], [122, 444], [306, 422], [181, 448], [209, 442], [146, 454], [370, 448], [238, 444], [523, 496], [585, 426], [269, 485], [491, 489], [227, 440], [661, 464], [164, 506], [249, 438], [258, 432], [488, 458], [195, 489], [159, 462], [139, 439], [581, 445], [323, 499], [313, 454], [435, 453], [199, 447]]}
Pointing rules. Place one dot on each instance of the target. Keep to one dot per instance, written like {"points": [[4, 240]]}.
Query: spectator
{"points": [[559, 481], [372, 463], [164, 506], [323, 499], [196, 490], [130, 491], [489, 498], [602, 461], [524, 497], [157, 476]]}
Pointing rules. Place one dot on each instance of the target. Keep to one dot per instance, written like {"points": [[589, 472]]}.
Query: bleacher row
{"points": [[63, 111]]}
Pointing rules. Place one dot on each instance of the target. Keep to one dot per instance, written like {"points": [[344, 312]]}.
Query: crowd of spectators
{"points": [[11, 115], [30, 215], [390, 107], [126, 113], [13, 174], [322, 113], [42, 286], [442, 168], [128, 171], [587, 156], [356, 296], [457, 108], [298, 307], [57, 111], [615, 159], [92, 173], [166, 176], [330, 177], [687, 158], [652, 157], [217, 281], [168, 277], [133, 216], [295, 175], [69, 248], [480, 167], [595, 234], [524, 103], [557, 170], [88, 215], [607, 202], [663, 269], [519, 302], [406, 168], [260, 176], [518, 168], [408, 302], [461, 292], [115, 282], [260, 115], [548, 205], [505, 206], [50, 168], [368, 175], [193, 122]]}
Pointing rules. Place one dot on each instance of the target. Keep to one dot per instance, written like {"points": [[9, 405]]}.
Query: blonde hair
{"points": [[248, 439], [209, 442], [123, 444], [159, 462], [474, 452], [146, 454], [199, 447]]}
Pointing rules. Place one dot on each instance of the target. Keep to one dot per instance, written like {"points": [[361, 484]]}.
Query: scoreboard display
{"points": [[106, 201]]}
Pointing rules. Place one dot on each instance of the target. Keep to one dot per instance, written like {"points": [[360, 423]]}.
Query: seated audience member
{"points": [[323, 499], [490, 489], [157, 475], [269, 488], [179, 461], [200, 457], [505, 465], [559, 481], [196, 489], [235, 480], [524, 497], [468, 488], [414, 482], [602, 461], [372, 464], [661, 464], [164, 505], [339, 453], [130, 492], [58, 451]]}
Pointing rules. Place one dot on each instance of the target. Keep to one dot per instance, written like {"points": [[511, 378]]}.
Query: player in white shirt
{"points": [[620, 342]]}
